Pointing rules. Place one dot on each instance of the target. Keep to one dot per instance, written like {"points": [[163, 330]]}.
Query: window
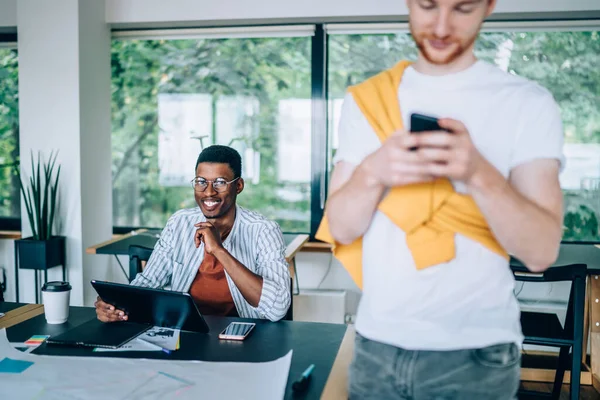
{"points": [[172, 97], [10, 213], [565, 62]]}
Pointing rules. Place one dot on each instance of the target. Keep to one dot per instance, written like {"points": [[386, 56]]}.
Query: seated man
{"points": [[229, 259]]}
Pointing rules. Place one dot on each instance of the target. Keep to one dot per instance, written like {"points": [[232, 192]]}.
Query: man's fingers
{"points": [[452, 125], [435, 139], [198, 237], [435, 154]]}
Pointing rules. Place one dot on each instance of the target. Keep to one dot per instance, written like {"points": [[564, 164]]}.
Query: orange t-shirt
{"points": [[210, 290]]}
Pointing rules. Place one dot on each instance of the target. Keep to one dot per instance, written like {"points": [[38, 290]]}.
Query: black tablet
{"points": [[156, 307]]}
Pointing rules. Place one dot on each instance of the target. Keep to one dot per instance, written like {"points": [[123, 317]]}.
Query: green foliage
{"points": [[273, 69], [9, 133], [40, 195], [268, 70]]}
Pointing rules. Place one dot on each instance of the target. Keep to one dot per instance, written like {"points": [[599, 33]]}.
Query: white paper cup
{"points": [[55, 296]]}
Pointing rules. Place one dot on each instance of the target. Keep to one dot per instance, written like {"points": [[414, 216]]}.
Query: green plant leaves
{"points": [[40, 195]]}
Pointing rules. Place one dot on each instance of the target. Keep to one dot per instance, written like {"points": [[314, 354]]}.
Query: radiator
{"points": [[320, 306]]}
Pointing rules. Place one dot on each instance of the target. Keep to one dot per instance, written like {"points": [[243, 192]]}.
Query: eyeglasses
{"points": [[219, 185]]}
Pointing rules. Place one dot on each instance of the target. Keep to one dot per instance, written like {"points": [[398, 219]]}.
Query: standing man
{"points": [[435, 214]]}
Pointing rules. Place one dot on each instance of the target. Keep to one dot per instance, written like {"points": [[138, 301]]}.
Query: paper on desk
{"points": [[62, 377], [163, 337], [154, 339]]}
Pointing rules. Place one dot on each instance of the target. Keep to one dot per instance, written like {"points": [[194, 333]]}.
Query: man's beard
{"points": [[459, 47]]}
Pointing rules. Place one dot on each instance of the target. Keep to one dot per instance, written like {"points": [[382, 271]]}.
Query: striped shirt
{"points": [[254, 241]]}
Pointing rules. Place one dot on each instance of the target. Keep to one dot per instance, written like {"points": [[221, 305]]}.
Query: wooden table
{"points": [[148, 237], [20, 313]]}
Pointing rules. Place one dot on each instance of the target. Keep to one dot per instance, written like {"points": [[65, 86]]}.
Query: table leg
{"points": [[594, 316], [17, 270], [586, 318], [36, 276]]}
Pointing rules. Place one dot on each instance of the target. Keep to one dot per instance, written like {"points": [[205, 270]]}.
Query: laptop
{"points": [[95, 333], [155, 307], [145, 308]]}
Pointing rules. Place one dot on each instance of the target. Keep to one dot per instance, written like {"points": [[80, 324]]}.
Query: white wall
{"points": [[8, 13], [64, 105], [179, 11]]}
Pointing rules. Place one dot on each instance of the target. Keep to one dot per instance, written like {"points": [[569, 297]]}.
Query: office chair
{"points": [[2, 285], [289, 316], [545, 329], [137, 254]]}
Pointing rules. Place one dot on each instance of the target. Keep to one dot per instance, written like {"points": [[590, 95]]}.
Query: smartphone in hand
{"points": [[424, 123]]}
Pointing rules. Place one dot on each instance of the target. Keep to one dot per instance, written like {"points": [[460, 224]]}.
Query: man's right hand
{"points": [[396, 163], [107, 312]]}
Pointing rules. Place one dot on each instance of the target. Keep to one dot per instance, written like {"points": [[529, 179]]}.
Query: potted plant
{"points": [[42, 250]]}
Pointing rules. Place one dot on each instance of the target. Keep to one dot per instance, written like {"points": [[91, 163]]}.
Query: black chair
{"points": [[545, 329], [137, 254], [3, 285], [289, 316]]}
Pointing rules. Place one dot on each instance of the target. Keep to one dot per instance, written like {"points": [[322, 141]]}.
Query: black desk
{"points": [[312, 343]]}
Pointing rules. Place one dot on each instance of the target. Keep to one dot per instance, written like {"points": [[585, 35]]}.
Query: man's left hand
{"points": [[450, 154], [209, 235]]}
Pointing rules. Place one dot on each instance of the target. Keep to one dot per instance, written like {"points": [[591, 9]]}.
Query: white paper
{"points": [[132, 345], [56, 377], [154, 339], [163, 337]]}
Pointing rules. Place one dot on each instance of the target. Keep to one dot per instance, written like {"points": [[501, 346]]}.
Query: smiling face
{"points": [[215, 205], [446, 30]]}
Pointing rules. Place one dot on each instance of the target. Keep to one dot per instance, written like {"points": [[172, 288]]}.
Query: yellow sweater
{"points": [[429, 213]]}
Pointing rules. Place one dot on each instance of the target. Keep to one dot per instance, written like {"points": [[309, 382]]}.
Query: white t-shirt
{"points": [[469, 301]]}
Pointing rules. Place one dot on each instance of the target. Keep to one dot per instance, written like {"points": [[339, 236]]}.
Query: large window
{"points": [[9, 138], [172, 97], [566, 63]]}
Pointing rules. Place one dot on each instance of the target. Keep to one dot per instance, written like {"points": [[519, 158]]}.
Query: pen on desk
{"points": [[302, 382]]}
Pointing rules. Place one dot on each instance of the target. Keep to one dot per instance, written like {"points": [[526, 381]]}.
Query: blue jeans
{"points": [[380, 371]]}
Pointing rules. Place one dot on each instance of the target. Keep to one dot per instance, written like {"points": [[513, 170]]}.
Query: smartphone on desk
{"points": [[237, 331]]}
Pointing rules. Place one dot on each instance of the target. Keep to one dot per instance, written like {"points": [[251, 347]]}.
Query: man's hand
{"points": [[450, 154], [107, 312], [209, 235], [396, 163]]}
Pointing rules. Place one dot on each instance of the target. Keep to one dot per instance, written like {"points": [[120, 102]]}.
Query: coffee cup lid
{"points": [[56, 286]]}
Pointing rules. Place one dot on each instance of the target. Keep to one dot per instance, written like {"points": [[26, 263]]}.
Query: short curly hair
{"points": [[222, 155]]}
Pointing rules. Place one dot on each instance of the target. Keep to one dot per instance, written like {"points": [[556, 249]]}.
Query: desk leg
{"points": [[594, 321], [586, 318], [37, 276], [17, 270]]}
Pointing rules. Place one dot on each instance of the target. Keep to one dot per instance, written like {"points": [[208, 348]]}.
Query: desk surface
{"points": [[149, 237], [6, 306], [312, 343]]}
